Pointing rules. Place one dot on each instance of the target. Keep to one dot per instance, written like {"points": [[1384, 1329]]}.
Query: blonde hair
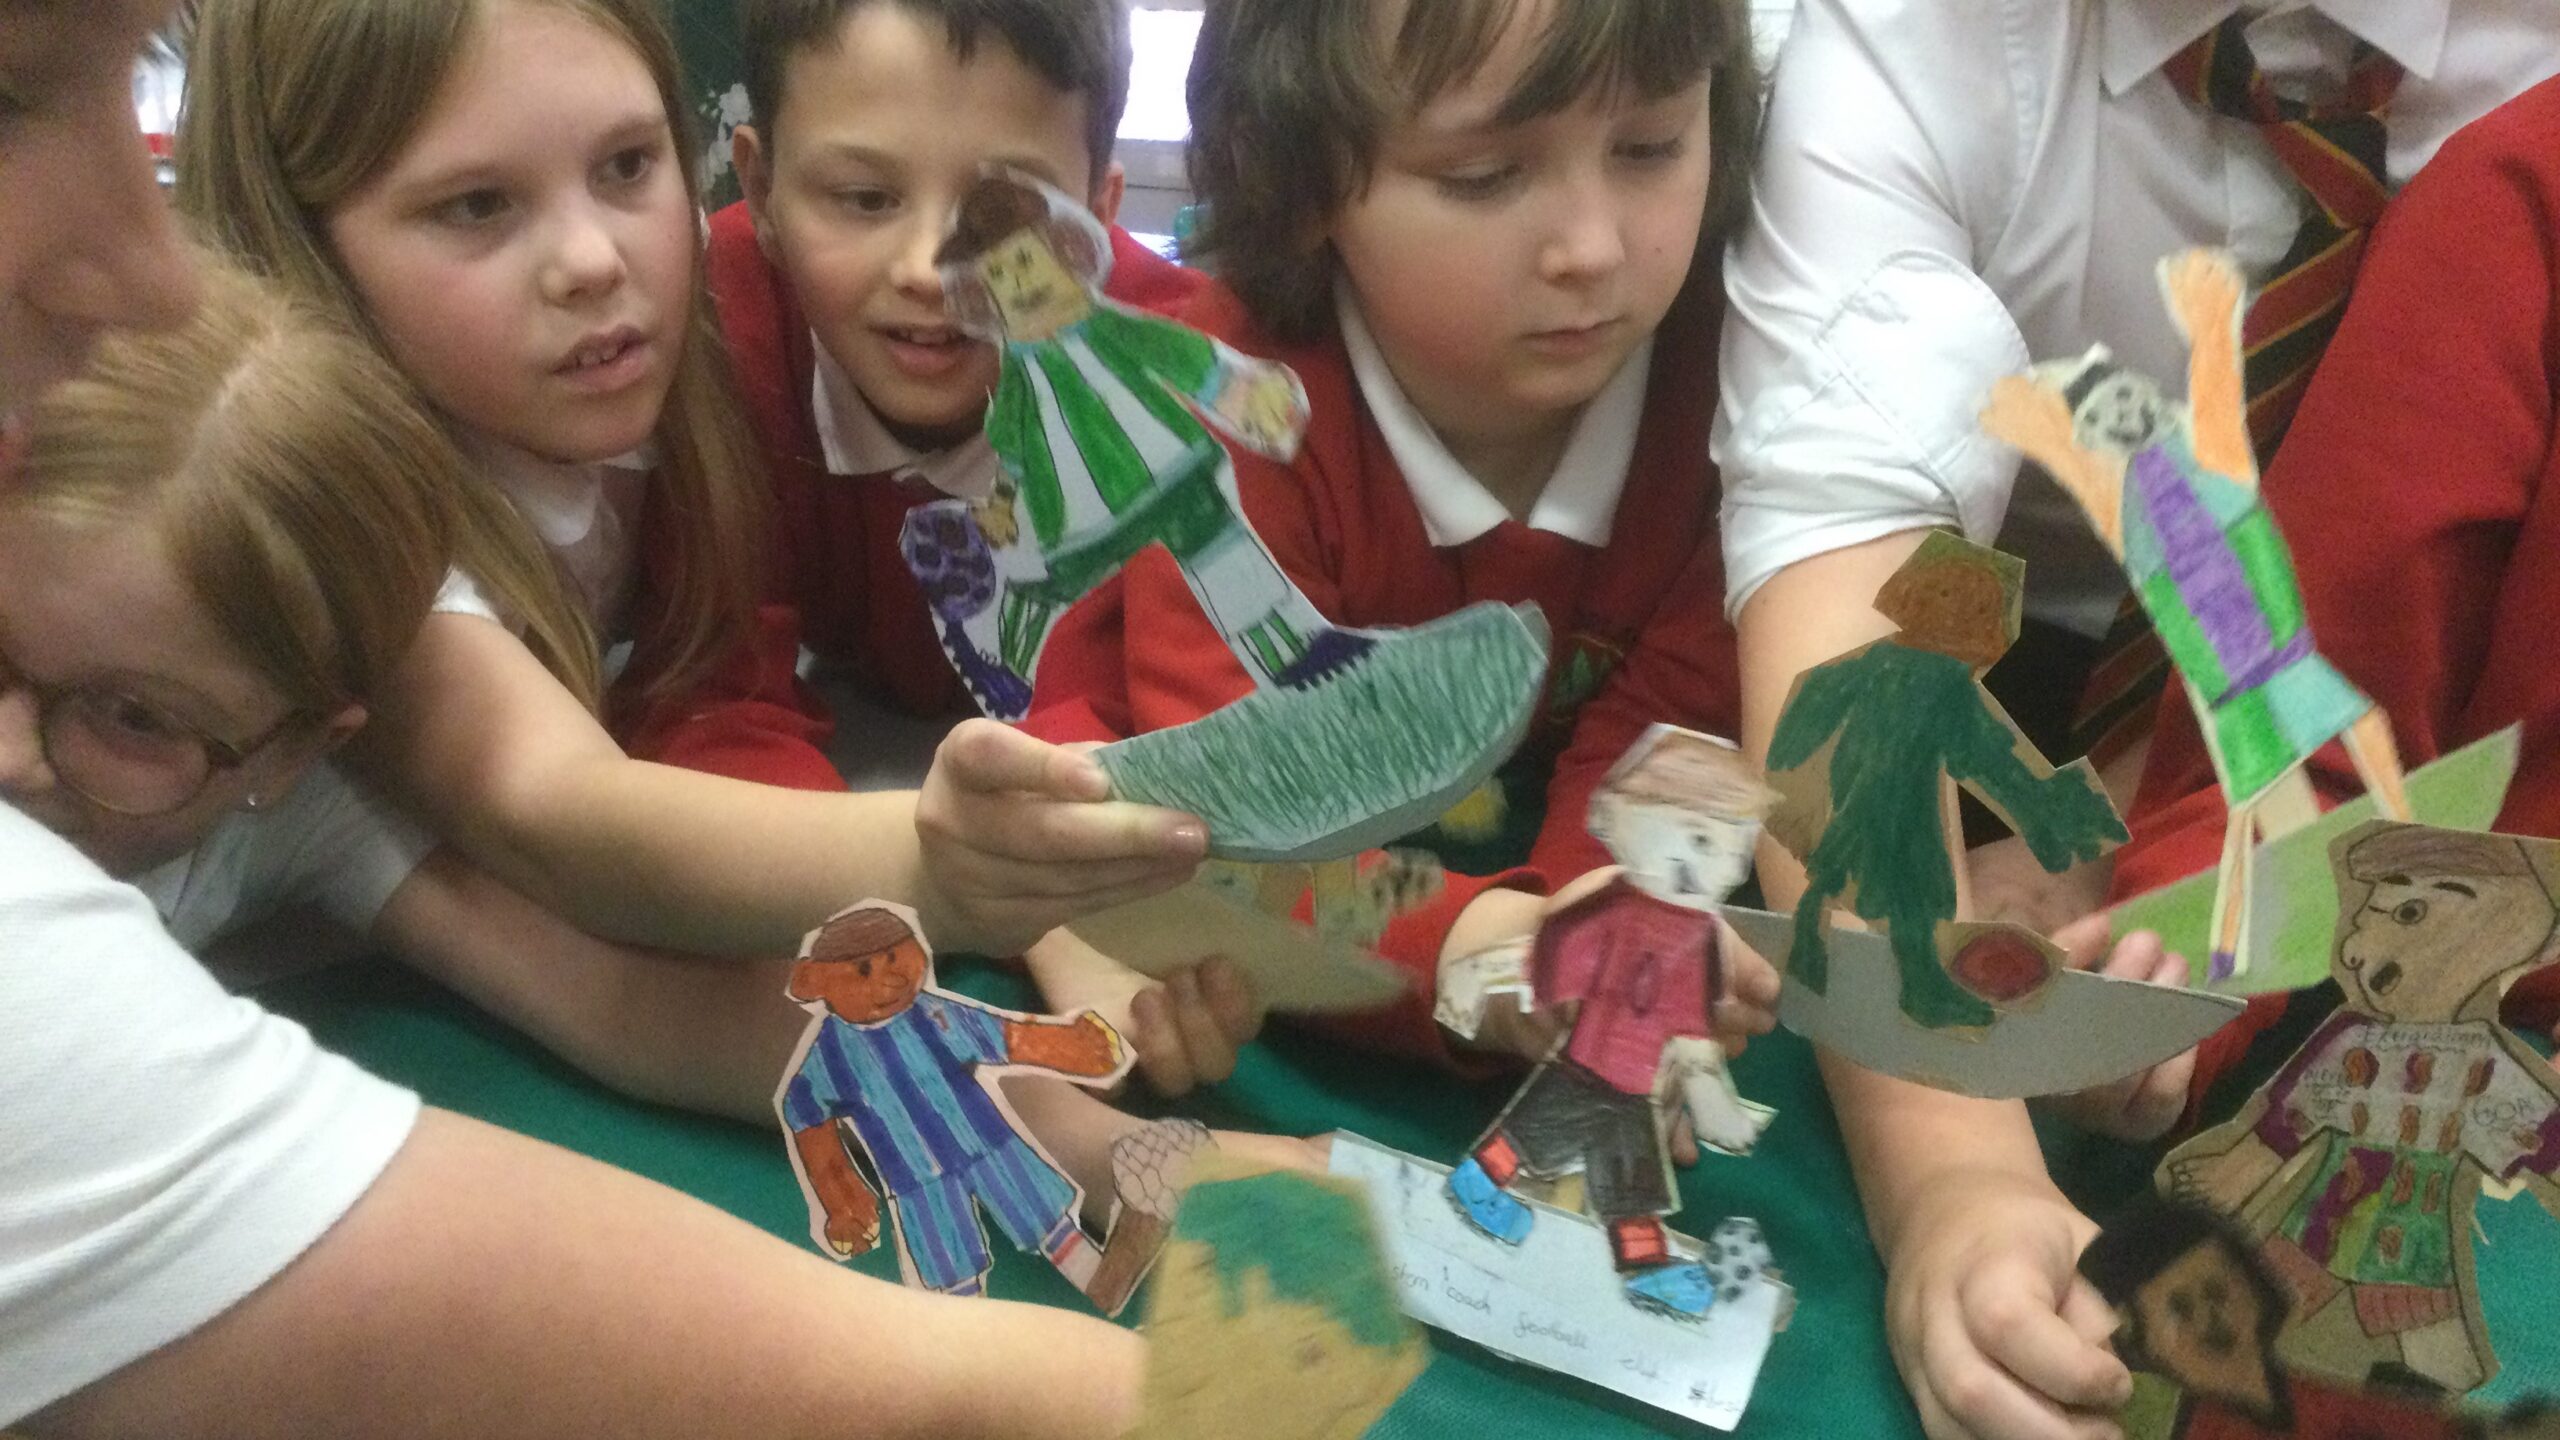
{"points": [[293, 106], [303, 498]]}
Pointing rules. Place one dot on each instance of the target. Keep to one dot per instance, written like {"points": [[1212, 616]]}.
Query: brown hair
{"points": [[303, 499], [1081, 47], [1291, 99], [293, 106]]}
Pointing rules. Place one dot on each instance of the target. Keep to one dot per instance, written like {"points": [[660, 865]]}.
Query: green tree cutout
{"points": [[1861, 748]]}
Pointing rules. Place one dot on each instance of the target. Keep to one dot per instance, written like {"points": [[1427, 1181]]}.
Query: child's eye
{"points": [[1478, 184], [868, 201], [1654, 152], [471, 209], [629, 167]]}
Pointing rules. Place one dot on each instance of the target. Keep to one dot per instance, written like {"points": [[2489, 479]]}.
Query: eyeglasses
{"points": [[123, 753]]}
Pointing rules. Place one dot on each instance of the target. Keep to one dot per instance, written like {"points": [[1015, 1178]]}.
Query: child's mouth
{"points": [[925, 352], [607, 361]]}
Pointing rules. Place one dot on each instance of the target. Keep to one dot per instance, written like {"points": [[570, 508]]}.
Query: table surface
{"points": [[1827, 1375]]}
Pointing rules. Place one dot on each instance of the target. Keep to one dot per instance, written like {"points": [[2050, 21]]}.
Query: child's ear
{"points": [[755, 182], [1109, 189], [281, 768]]}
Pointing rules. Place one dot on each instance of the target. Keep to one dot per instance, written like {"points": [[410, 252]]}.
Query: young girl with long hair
{"points": [[498, 195]]}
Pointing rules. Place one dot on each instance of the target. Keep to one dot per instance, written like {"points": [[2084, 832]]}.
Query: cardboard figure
{"points": [[1106, 421], [887, 1098], [2173, 491], [1639, 953], [1273, 1316], [1859, 752], [2198, 1307], [2359, 1165]]}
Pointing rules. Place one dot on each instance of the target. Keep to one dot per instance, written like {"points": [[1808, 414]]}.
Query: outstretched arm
{"points": [[584, 1301], [1083, 1047], [2033, 417], [2204, 293], [2064, 815]]}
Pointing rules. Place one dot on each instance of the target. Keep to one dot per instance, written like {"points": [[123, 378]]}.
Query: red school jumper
{"points": [[1639, 627], [836, 536], [2420, 491]]}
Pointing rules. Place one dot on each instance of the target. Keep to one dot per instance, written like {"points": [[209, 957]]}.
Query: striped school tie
{"points": [[2335, 151]]}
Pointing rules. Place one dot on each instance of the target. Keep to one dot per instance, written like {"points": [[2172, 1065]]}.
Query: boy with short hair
{"points": [[870, 120]]}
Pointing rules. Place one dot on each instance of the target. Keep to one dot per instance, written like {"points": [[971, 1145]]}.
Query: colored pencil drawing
{"points": [[1639, 953], [2199, 1308], [2356, 1169], [2172, 490], [887, 1099], [1367, 756], [1273, 1315], [1860, 753]]}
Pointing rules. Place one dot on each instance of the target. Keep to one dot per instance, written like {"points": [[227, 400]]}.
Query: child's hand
{"points": [[1019, 836], [1185, 1030], [1749, 1004], [2009, 885], [1993, 1329], [2141, 1106]]}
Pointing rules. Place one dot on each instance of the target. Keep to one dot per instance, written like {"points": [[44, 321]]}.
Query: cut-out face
{"points": [[2121, 414], [2203, 1322], [1271, 1365], [1035, 294], [2424, 943], [1681, 853], [1951, 607], [863, 988]]}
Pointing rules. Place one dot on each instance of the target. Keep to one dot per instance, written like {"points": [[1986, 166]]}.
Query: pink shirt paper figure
{"points": [[1640, 955]]}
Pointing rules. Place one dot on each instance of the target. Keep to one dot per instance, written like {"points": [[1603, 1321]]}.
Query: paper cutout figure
{"points": [[1375, 752], [1858, 753], [2200, 1308], [1107, 422], [1102, 421], [1555, 1302], [2173, 491], [2358, 1166], [2081, 1029], [1273, 1316], [1640, 954], [2293, 895], [888, 1098]]}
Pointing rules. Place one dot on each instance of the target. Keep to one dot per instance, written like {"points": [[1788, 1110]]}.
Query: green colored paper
{"points": [[2294, 901]]}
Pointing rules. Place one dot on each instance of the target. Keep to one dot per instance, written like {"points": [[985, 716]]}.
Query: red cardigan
{"points": [[2420, 489], [836, 536], [1639, 628]]}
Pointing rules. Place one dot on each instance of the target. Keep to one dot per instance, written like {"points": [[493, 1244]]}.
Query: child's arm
{"points": [[493, 1286], [1989, 1322], [1005, 840], [698, 1032]]}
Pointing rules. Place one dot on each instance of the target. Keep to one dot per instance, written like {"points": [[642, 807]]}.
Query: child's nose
{"points": [[913, 270], [1587, 240], [23, 767], [588, 259]]}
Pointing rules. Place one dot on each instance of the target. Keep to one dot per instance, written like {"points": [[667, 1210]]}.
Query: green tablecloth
{"points": [[1828, 1375]]}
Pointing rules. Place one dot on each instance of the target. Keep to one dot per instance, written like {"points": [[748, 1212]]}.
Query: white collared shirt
{"points": [[1579, 501], [1950, 188], [586, 515], [854, 440]]}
